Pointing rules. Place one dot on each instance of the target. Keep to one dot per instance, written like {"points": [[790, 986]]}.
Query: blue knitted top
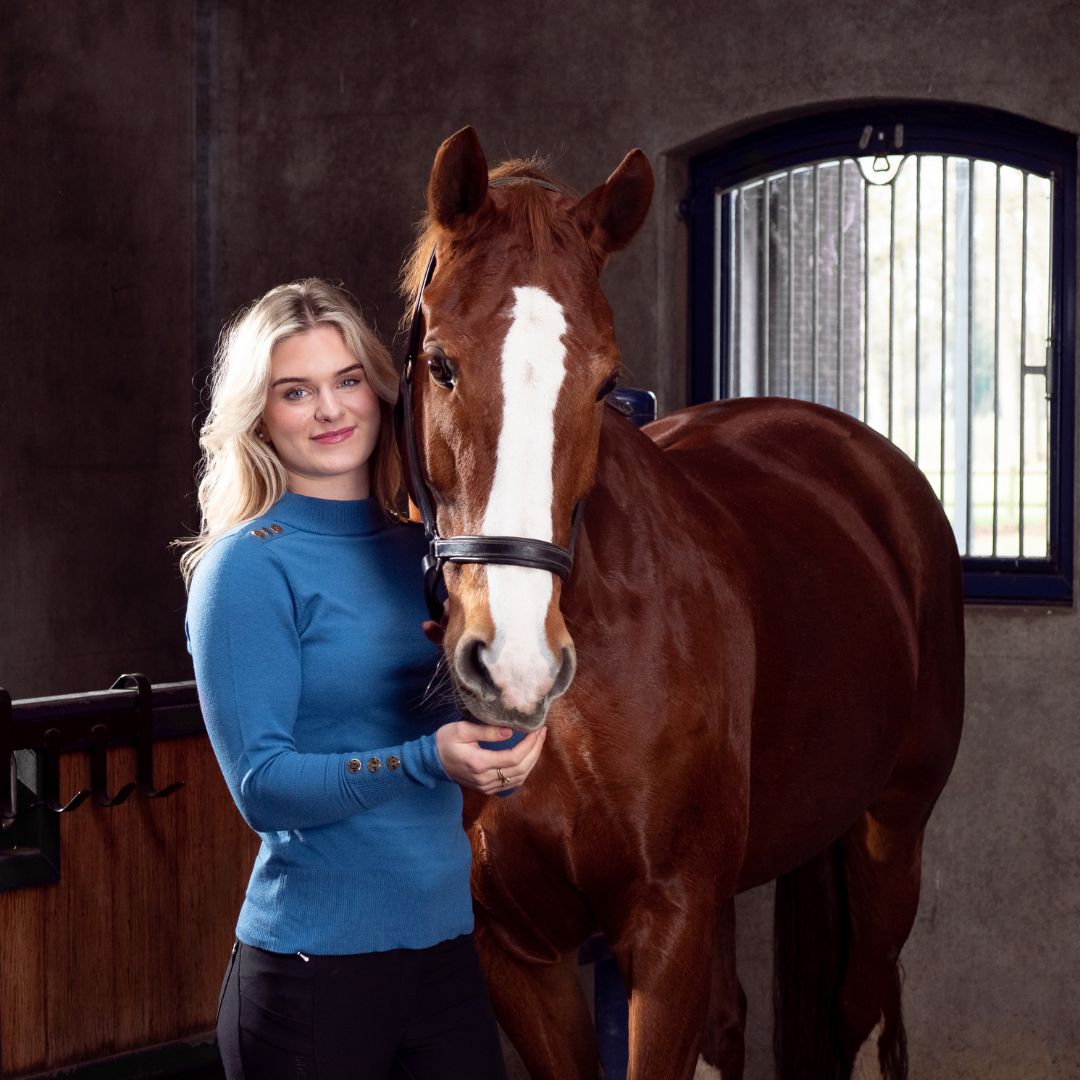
{"points": [[304, 627]]}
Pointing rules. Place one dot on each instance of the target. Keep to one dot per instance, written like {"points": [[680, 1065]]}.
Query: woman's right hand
{"points": [[490, 771]]}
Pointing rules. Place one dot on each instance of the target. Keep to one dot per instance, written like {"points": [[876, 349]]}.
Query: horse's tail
{"points": [[811, 931]]}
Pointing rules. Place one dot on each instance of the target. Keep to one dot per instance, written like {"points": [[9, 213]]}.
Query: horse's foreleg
{"points": [[542, 1008], [665, 959]]}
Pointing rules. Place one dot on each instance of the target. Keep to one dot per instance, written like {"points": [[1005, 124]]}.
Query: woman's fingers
{"points": [[471, 765], [512, 756], [514, 775]]}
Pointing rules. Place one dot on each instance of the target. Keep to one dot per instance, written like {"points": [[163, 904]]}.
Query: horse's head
{"points": [[517, 353]]}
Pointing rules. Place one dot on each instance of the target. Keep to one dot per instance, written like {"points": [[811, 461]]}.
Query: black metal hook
{"points": [[99, 769], [53, 741], [145, 741]]}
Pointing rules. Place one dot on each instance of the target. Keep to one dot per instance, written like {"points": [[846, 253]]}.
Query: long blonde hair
{"points": [[241, 477]]}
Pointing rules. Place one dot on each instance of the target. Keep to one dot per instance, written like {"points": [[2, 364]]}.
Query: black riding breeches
{"points": [[406, 1014]]}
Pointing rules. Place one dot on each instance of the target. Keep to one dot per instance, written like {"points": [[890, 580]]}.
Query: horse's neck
{"points": [[631, 535]]}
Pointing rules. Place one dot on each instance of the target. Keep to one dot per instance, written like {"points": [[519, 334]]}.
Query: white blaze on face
{"points": [[533, 368]]}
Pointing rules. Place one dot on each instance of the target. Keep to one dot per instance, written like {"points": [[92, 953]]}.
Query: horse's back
{"points": [[850, 572], [793, 472]]}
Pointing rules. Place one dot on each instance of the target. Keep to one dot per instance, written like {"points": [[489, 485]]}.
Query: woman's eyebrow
{"points": [[296, 378]]}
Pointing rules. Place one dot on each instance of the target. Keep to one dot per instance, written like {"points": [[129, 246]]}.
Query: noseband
{"points": [[500, 550]]}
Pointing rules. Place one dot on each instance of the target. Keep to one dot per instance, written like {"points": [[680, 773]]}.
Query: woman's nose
{"points": [[328, 407]]}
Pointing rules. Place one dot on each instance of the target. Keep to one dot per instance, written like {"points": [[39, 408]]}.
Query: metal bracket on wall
{"points": [[30, 837], [34, 733]]}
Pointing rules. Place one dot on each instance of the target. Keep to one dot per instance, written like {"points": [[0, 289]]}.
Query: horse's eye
{"points": [[606, 389], [441, 371]]}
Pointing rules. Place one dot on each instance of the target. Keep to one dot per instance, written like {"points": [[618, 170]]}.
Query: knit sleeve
{"points": [[242, 634]]}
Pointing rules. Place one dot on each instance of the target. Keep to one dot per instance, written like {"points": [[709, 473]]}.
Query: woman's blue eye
{"points": [[352, 380], [294, 393]]}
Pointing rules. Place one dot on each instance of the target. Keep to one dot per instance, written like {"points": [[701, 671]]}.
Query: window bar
{"points": [[791, 281], [1048, 355], [730, 202], [866, 300], [1023, 346], [970, 350], [764, 352], [892, 268], [997, 346], [918, 296], [840, 287], [719, 325], [944, 309], [738, 291], [814, 335]]}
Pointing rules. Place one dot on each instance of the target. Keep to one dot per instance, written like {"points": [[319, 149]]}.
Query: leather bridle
{"points": [[500, 550]]}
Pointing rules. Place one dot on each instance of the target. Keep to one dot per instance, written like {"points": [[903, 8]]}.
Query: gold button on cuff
{"points": [[374, 764], [393, 762], [354, 764]]}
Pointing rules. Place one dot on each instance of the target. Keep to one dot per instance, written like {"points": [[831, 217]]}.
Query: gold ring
{"points": [[502, 778]]}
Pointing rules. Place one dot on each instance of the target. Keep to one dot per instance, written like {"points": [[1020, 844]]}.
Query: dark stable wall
{"points": [[322, 128], [95, 333]]}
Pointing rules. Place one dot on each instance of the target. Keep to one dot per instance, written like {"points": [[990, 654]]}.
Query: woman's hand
{"points": [[436, 631], [489, 771]]}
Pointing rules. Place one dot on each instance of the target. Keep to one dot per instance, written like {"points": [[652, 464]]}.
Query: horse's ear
{"points": [[611, 214], [458, 185]]}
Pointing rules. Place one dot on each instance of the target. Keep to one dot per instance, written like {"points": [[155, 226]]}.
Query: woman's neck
{"points": [[348, 486]]}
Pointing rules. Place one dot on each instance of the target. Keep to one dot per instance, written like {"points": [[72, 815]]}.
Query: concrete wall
{"points": [[326, 122]]}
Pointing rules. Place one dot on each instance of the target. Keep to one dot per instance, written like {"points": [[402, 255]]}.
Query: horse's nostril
{"points": [[566, 673], [473, 670]]}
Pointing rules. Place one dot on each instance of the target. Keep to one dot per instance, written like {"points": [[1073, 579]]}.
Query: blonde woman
{"points": [[353, 955]]}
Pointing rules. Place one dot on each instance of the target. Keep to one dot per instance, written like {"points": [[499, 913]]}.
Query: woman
{"points": [[353, 955]]}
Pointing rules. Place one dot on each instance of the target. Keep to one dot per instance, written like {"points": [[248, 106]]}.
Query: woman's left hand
{"points": [[490, 771]]}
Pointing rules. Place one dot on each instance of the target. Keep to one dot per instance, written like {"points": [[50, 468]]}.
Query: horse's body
{"points": [[766, 612]]}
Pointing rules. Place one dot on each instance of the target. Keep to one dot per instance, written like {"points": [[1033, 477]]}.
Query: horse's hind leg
{"points": [[723, 1047], [882, 852], [881, 867]]}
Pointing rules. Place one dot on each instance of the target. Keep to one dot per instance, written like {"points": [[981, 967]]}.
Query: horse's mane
{"points": [[531, 212]]}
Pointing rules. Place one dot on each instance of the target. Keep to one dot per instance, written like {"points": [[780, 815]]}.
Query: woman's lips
{"points": [[334, 436]]}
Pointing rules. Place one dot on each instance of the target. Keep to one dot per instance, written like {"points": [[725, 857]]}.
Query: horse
{"points": [[753, 671]]}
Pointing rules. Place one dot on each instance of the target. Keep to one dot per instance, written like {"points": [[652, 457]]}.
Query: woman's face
{"points": [[321, 415]]}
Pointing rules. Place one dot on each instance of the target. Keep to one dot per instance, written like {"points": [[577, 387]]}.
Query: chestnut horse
{"points": [[754, 670]]}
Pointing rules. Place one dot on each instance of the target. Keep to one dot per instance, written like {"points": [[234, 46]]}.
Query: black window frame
{"points": [[946, 129]]}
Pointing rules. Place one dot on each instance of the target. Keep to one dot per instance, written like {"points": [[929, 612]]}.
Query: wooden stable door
{"points": [[128, 948]]}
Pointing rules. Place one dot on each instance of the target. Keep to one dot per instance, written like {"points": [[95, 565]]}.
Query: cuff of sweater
{"points": [[422, 762], [376, 776]]}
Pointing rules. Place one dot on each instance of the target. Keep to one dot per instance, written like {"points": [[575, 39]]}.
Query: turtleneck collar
{"points": [[331, 517]]}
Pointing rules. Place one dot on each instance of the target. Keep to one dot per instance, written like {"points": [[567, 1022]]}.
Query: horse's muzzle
{"points": [[504, 692]]}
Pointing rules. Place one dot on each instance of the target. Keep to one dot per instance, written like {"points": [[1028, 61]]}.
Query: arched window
{"points": [[914, 266]]}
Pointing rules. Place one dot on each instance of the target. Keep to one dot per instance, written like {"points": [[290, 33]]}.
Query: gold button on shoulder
{"points": [[393, 762], [374, 764], [354, 764], [260, 533], [276, 528]]}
